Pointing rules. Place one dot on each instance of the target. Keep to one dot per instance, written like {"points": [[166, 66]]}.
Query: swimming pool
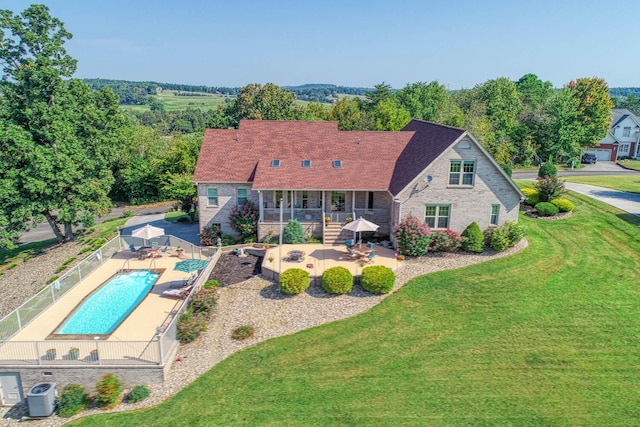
{"points": [[106, 308]]}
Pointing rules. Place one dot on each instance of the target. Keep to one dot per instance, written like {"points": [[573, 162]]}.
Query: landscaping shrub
{"points": [[52, 279], [209, 235], [533, 197], [507, 168], [412, 236], [203, 301], [473, 239], [444, 241], [228, 240], [138, 394], [293, 232], [549, 188], [109, 390], [563, 205], [72, 400], [515, 232], [547, 169], [337, 280], [294, 281], [546, 209], [244, 219], [499, 240], [211, 284], [378, 279], [190, 326], [242, 332]]}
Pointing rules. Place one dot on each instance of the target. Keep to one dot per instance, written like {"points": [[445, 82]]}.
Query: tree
{"points": [[390, 116], [594, 105], [268, 102], [534, 92], [381, 92], [60, 157]]}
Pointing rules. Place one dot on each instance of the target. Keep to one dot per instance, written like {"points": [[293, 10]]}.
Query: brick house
{"points": [[312, 170], [622, 139]]}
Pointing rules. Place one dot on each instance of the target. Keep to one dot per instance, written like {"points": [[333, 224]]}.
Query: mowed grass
{"points": [[549, 336], [172, 102], [629, 183], [631, 164]]}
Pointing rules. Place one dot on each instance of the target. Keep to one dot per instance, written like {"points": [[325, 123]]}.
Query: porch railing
{"points": [[301, 214], [378, 216]]}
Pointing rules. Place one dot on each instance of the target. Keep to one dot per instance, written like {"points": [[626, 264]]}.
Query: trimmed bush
{"points": [[499, 240], [412, 236], [293, 232], [546, 209], [533, 197], [337, 280], [444, 241], [294, 281], [211, 284], [378, 279], [473, 239], [547, 169], [549, 188], [563, 205], [190, 326], [138, 394], [73, 399], [109, 390], [203, 301], [515, 232]]}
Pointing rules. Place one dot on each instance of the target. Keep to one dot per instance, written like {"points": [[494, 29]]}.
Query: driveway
{"points": [[628, 202], [184, 231], [599, 168]]}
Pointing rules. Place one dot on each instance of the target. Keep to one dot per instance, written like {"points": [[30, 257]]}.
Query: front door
{"points": [[338, 201], [11, 390]]}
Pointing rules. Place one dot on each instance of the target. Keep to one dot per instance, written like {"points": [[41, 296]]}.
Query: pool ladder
{"points": [[152, 264], [126, 265]]}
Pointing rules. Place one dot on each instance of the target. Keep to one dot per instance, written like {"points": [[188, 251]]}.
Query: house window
{"points": [[461, 172], [437, 216], [370, 200], [306, 163], [275, 163], [212, 197], [624, 148], [241, 194], [626, 131], [305, 199], [495, 210], [337, 164]]}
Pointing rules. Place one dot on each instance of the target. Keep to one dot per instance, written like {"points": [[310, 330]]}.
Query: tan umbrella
{"points": [[360, 225], [148, 232]]}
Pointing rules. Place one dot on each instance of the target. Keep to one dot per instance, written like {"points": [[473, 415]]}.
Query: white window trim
{"points": [[626, 132], [462, 173], [497, 214], [437, 216], [217, 196]]}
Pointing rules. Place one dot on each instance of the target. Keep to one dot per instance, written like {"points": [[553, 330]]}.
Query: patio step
{"points": [[335, 235]]}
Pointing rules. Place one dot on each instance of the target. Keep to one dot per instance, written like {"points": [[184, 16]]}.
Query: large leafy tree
{"points": [[268, 102], [64, 137], [593, 103]]}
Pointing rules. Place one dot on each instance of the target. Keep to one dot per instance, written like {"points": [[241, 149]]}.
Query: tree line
{"points": [[68, 150]]}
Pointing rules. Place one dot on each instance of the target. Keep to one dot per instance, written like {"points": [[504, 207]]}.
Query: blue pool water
{"points": [[106, 308]]}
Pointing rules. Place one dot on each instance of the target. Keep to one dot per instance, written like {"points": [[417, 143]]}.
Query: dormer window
{"points": [[337, 164], [306, 163], [275, 163]]}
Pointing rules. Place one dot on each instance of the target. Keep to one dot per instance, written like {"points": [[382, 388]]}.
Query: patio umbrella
{"points": [[190, 265], [360, 225], [148, 232]]}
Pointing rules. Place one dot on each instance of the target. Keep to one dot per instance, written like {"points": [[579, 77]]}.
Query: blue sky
{"points": [[352, 43]]}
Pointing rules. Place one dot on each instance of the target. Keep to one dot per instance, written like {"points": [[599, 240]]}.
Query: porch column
{"points": [[261, 206], [291, 202], [353, 205]]}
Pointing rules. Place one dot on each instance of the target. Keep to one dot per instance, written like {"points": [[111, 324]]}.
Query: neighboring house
{"points": [[621, 139], [312, 170]]}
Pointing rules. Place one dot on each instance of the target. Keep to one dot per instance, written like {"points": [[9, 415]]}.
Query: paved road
{"points": [[188, 232], [600, 168]]}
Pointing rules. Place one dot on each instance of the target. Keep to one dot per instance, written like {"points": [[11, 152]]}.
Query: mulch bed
{"points": [[232, 269], [530, 211]]}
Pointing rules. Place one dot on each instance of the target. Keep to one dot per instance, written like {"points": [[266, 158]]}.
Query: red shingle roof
{"points": [[370, 160]]}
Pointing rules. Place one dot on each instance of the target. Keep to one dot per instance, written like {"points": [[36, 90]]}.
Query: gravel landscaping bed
{"points": [[257, 302]]}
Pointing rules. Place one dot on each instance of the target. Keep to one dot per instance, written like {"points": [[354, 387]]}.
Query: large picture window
{"points": [[437, 216], [212, 196], [462, 172]]}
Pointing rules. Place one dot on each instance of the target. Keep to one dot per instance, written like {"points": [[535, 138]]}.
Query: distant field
{"points": [[172, 102]]}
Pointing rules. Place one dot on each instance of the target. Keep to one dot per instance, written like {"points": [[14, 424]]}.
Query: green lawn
{"points": [[172, 102], [616, 182], [549, 336], [631, 164]]}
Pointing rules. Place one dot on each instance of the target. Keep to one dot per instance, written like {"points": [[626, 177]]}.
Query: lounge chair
{"points": [[178, 293], [177, 284]]}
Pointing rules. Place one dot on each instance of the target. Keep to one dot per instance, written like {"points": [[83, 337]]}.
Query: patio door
{"points": [[10, 388], [338, 201]]}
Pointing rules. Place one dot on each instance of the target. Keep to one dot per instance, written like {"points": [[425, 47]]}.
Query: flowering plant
{"points": [[444, 241], [244, 219], [327, 219], [412, 236]]}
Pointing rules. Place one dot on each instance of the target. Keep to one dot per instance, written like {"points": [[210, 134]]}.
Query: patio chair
{"points": [[352, 253], [371, 256], [132, 248], [178, 293], [349, 243], [177, 284], [369, 245]]}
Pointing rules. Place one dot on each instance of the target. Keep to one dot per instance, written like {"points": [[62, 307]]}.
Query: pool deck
{"points": [[140, 325]]}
